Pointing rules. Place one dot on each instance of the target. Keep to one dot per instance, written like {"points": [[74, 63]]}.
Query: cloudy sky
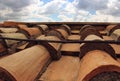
{"points": [[60, 10]]}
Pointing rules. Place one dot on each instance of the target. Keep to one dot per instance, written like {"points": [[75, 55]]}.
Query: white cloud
{"points": [[19, 13], [69, 9], [63, 10], [113, 8], [91, 4], [54, 6], [65, 18], [17, 5], [104, 10]]}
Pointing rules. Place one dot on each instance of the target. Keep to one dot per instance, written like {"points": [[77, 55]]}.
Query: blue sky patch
{"points": [[93, 12], [46, 1]]}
